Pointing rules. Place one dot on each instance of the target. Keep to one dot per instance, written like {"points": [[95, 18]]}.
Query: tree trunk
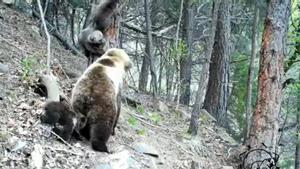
{"points": [[149, 47], [265, 121], [193, 128], [217, 91], [72, 17], [297, 152], [251, 74], [143, 79], [186, 58], [169, 76]]}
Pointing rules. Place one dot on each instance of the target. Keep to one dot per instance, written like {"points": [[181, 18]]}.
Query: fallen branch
{"points": [[149, 124], [138, 30]]}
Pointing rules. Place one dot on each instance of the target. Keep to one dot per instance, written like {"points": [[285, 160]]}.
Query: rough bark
{"points": [[264, 126], [149, 47], [186, 58], [217, 92], [193, 128], [251, 74], [297, 151], [143, 78]]}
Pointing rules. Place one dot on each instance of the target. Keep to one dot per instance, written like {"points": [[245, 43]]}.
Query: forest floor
{"points": [[154, 128]]}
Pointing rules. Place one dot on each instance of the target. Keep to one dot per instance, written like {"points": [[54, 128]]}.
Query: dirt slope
{"points": [[22, 49]]}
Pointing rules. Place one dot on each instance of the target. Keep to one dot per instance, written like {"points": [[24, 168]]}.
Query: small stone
{"points": [[37, 157], [3, 68], [19, 145], [146, 149], [24, 106], [227, 167]]}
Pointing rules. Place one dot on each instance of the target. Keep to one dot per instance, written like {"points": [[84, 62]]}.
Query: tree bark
{"points": [[143, 79], [217, 92], [149, 47], [186, 58], [265, 121], [193, 128], [297, 151], [248, 106], [72, 18]]}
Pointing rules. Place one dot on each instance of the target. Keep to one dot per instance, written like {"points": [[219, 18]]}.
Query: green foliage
{"points": [[155, 117], [29, 64], [181, 51], [203, 118], [239, 90], [286, 163], [141, 132], [132, 121], [140, 109]]}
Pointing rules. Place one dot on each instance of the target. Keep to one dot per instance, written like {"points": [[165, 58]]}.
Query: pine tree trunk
{"points": [[186, 58], [193, 128], [251, 74], [265, 121], [217, 91]]}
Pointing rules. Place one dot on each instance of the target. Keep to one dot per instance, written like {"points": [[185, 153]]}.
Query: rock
{"points": [[117, 161], [4, 136], [20, 144], [3, 68], [37, 157], [162, 107], [24, 106], [103, 166], [8, 2], [210, 117], [227, 167], [195, 165], [146, 149]]}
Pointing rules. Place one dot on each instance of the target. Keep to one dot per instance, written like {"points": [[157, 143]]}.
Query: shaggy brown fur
{"points": [[91, 39], [63, 119], [96, 95]]}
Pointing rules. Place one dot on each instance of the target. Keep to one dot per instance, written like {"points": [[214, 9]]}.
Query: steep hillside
{"points": [[25, 142]]}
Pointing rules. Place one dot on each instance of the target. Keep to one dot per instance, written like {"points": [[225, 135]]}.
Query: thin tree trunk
{"points": [[186, 58], [73, 25], [161, 68], [149, 47], [178, 84], [169, 76], [265, 121], [251, 74], [193, 128], [218, 84]]}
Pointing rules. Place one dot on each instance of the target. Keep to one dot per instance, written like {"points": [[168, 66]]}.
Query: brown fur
{"points": [[93, 43], [92, 39], [63, 119], [97, 97]]}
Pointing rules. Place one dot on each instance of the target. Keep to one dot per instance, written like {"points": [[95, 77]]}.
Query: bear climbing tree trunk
{"points": [[102, 30]]}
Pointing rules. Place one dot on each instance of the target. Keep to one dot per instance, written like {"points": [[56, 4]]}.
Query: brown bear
{"points": [[64, 120], [92, 39], [96, 96]]}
